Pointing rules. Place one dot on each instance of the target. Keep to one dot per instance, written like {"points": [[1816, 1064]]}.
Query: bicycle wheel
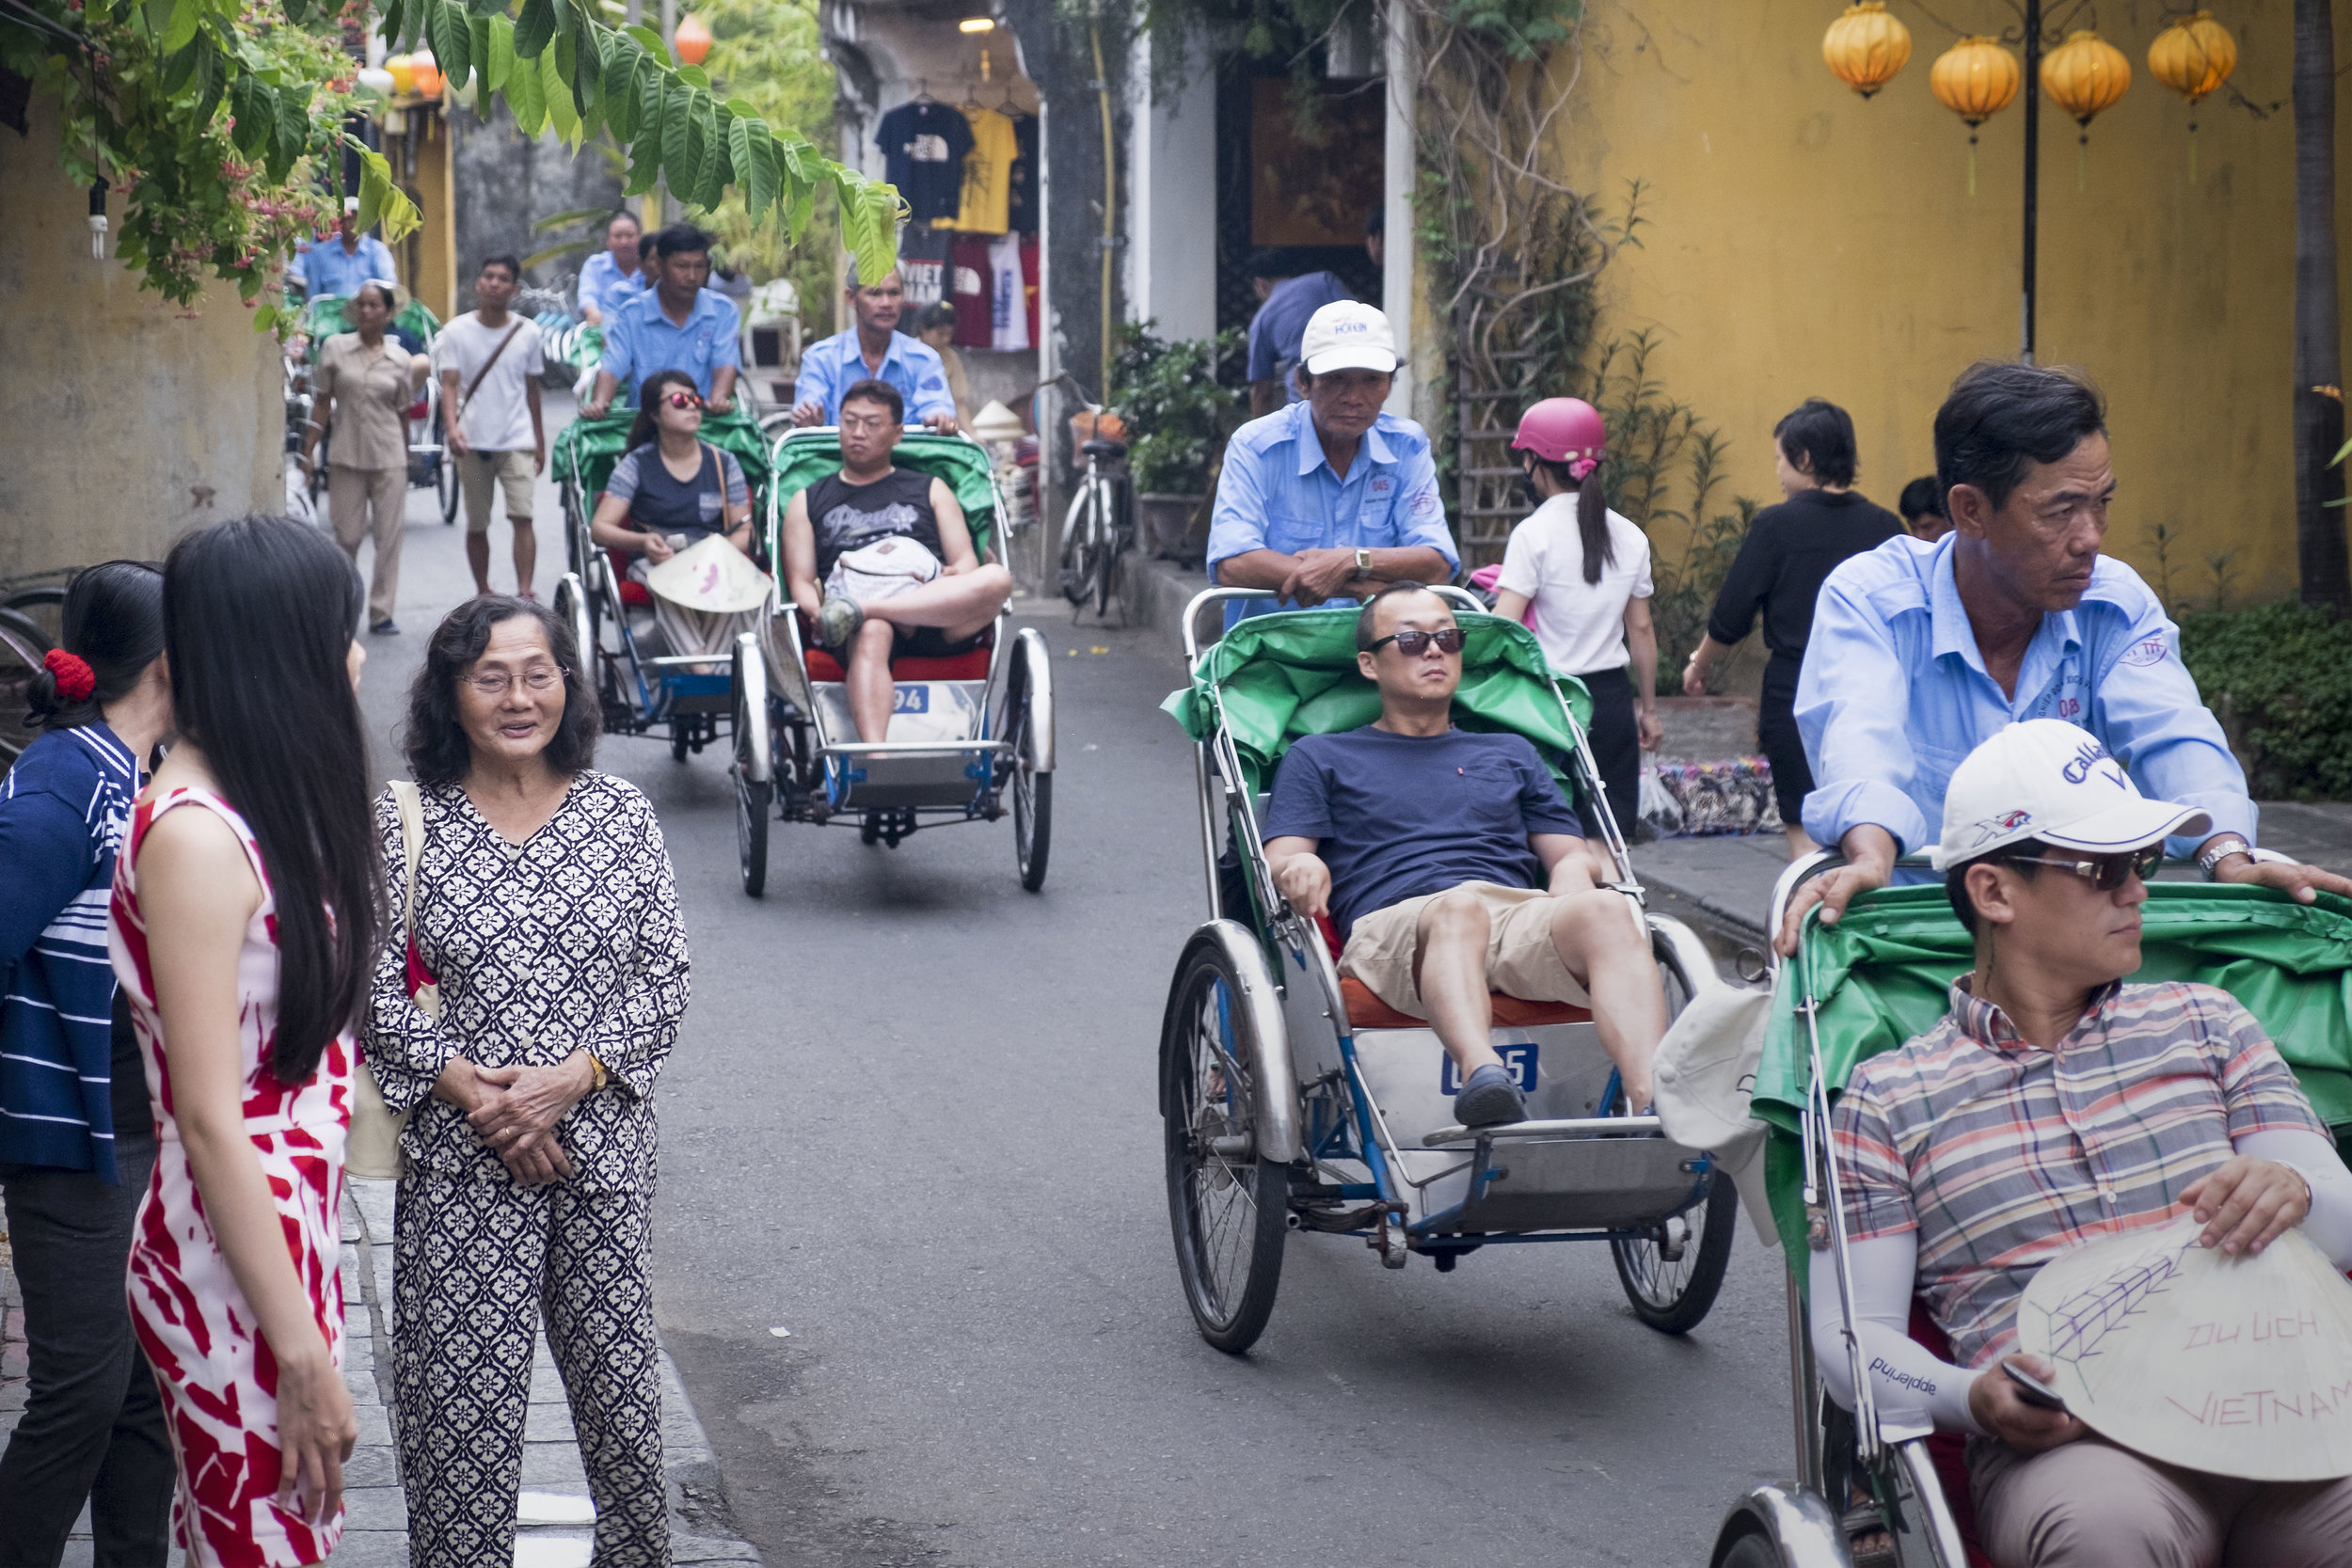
{"points": [[1228, 1207], [1032, 799], [1077, 544], [1105, 548], [44, 607], [752, 797], [1671, 1274], [22, 647], [444, 471]]}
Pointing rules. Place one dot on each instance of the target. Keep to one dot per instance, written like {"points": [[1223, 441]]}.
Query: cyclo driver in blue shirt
{"points": [[1921, 652], [1453, 868], [1330, 498], [678, 325]]}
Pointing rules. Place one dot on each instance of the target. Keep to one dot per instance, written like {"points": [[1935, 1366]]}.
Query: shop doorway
{"points": [[1300, 185]]}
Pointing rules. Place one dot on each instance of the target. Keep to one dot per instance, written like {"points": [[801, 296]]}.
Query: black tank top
{"points": [[845, 516]]}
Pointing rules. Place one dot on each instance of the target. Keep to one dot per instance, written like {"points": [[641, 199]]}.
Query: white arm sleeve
{"points": [[2329, 1222], [1910, 1385]]}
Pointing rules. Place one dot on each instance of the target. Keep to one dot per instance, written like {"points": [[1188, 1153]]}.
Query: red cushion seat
{"points": [[973, 666], [1367, 1011], [1950, 1449]]}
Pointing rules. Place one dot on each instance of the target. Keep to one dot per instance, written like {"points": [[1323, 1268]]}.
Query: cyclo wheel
{"points": [[1032, 799], [444, 469], [752, 797], [1674, 1295], [1229, 1210], [22, 647]]}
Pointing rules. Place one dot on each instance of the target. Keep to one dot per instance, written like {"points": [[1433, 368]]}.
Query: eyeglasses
{"points": [[684, 400], [539, 677], [1446, 640], [2107, 872]]}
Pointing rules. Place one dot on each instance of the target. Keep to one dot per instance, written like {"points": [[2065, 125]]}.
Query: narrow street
{"points": [[912, 1122]]}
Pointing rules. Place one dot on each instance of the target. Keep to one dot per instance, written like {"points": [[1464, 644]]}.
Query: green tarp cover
{"points": [[1294, 672], [587, 449], [324, 316], [801, 460], [1883, 973]]}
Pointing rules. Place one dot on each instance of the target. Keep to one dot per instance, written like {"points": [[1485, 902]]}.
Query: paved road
{"points": [[912, 1121]]}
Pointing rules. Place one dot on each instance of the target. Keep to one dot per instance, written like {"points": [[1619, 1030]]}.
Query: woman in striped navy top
{"points": [[76, 1138]]}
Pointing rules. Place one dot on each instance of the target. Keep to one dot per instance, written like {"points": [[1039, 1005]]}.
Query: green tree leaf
{"points": [[294, 131], [535, 28], [647, 39], [619, 95], [499, 65], [681, 160], [716, 124], [694, 76], [566, 62], [253, 103], [557, 96], [180, 30], [453, 40], [754, 164], [645, 164], [380, 201], [524, 96], [478, 47]]}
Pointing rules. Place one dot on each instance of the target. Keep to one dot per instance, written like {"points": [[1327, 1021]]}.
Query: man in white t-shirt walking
{"points": [[490, 363]]}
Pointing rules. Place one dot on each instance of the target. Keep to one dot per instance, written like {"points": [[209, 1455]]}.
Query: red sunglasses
{"points": [[685, 400]]}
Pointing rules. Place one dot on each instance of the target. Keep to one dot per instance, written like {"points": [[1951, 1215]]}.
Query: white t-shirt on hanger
{"points": [[1580, 625]]}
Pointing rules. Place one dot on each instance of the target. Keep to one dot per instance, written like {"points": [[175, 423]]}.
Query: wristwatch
{"points": [[599, 1075], [1363, 562], [2221, 849]]}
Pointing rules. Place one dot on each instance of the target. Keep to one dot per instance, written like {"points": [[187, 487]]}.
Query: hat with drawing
{"points": [[1346, 334], [711, 576], [2048, 779]]}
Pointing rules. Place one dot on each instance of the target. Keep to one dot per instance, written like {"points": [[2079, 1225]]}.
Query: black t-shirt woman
{"points": [[669, 491]]}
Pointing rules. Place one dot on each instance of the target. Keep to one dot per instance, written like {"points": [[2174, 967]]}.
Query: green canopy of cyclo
{"points": [[1883, 975], [1294, 672], [326, 316], [804, 457], [586, 450]]}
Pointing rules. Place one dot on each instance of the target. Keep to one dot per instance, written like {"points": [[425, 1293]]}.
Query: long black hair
{"points": [[434, 740], [648, 400], [1592, 512], [114, 620], [258, 617]]}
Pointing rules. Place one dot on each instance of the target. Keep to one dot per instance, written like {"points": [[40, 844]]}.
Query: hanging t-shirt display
{"points": [[986, 173], [970, 291], [923, 146], [923, 265], [1008, 309], [1021, 199]]}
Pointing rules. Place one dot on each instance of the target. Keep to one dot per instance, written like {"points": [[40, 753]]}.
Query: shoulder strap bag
{"points": [[372, 1150], [479, 376]]}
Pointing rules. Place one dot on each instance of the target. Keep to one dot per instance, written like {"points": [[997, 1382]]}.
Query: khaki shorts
{"points": [[479, 473], [1521, 959]]}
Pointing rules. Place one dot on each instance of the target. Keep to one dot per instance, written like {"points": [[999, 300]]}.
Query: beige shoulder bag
{"points": [[372, 1150]]}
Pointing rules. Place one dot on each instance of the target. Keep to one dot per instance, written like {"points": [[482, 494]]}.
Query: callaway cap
{"points": [[2048, 779], [1346, 334]]}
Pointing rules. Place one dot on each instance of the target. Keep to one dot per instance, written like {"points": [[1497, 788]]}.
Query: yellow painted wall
{"points": [[127, 421], [1805, 242]]}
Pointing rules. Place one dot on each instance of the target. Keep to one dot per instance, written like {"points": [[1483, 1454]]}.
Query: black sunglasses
{"points": [[2107, 872], [1446, 640]]}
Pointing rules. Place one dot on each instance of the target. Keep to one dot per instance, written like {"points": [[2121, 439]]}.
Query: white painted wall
{"points": [[1171, 172]]}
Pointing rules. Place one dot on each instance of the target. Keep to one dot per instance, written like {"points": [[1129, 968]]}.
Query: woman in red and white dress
{"points": [[245, 913]]}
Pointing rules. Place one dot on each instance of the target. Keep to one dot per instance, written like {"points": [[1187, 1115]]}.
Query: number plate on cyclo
{"points": [[1517, 1060], [910, 699]]}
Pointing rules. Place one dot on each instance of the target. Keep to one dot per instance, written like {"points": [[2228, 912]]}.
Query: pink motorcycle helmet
{"points": [[1564, 429]]}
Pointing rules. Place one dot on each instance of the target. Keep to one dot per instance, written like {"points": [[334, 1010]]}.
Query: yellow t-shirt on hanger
{"points": [[987, 175]]}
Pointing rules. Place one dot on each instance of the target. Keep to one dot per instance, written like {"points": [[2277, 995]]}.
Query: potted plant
{"points": [[1179, 412]]}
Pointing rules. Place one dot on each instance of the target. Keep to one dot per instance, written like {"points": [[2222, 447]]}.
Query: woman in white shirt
{"points": [[1584, 571]]}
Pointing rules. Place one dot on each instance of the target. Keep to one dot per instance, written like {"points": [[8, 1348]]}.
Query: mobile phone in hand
{"points": [[2032, 1390]]}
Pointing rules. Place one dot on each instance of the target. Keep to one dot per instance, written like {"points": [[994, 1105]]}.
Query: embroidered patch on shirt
{"points": [[2141, 654]]}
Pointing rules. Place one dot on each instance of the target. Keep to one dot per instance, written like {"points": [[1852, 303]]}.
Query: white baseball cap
{"points": [[2048, 779], [1346, 334], [351, 204]]}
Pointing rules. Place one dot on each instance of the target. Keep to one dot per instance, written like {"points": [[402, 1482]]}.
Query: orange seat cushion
{"points": [[1367, 1011]]}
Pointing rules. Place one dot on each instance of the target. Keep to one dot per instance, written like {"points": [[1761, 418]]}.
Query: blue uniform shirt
{"points": [[833, 366], [1894, 694], [327, 271], [1279, 328], [1278, 493], [604, 285], [639, 339]]}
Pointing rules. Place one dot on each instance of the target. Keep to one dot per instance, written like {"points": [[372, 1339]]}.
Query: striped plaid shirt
{"points": [[2002, 1155]]}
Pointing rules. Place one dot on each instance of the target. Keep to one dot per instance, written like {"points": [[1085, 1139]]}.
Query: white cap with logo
{"points": [[2048, 779], [1346, 334]]}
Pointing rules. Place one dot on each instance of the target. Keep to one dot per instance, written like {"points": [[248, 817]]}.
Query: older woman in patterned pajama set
{"points": [[547, 912]]}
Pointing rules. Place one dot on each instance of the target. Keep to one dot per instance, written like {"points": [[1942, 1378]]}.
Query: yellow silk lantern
{"points": [[404, 73], [2084, 75], [1865, 47], [1976, 79], [2193, 57]]}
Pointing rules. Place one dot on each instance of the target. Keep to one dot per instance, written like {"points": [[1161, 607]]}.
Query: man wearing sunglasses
{"points": [[2055, 1104], [1453, 868]]}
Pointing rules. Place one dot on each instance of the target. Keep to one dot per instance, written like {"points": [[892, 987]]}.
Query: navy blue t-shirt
{"points": [[1399, 816]]}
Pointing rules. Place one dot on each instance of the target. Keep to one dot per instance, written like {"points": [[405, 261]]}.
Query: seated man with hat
{"points": [[1453, 868], [2052, 1106]]}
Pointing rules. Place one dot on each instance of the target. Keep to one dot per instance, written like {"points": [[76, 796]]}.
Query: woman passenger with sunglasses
{"points": [[669, 491], [543, 907]]}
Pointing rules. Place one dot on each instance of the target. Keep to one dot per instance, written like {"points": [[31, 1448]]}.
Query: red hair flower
{"points": [[75, 679]]}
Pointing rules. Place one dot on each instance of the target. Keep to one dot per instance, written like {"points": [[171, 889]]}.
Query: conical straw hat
{"points": [[712, 576], [2233, 1365]]}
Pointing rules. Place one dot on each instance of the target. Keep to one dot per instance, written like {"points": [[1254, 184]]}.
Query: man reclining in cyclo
{"points": [[1453, 868], [879, 559], [2052, 1106]]}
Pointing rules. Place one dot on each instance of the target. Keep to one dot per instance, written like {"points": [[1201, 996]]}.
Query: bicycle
{"points": [[1096, 530]]}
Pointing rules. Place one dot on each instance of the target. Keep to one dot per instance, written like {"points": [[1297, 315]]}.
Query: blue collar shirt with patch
{"points": [[640, 339], [604, 285], [1277, 492], [1894, 693], [329, 271], [833, 366]]}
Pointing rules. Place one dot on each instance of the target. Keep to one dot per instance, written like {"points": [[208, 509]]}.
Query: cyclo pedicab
{"points": [[428, 448], [1865, 985], [642, 690], [970, 737], [1294, 1099]]}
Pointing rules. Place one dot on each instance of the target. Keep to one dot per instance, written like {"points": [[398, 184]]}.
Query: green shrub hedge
{"points": [[2279, 679]]}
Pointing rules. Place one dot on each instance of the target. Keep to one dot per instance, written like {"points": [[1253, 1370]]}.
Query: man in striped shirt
{"points": [[2052, 1106]]}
